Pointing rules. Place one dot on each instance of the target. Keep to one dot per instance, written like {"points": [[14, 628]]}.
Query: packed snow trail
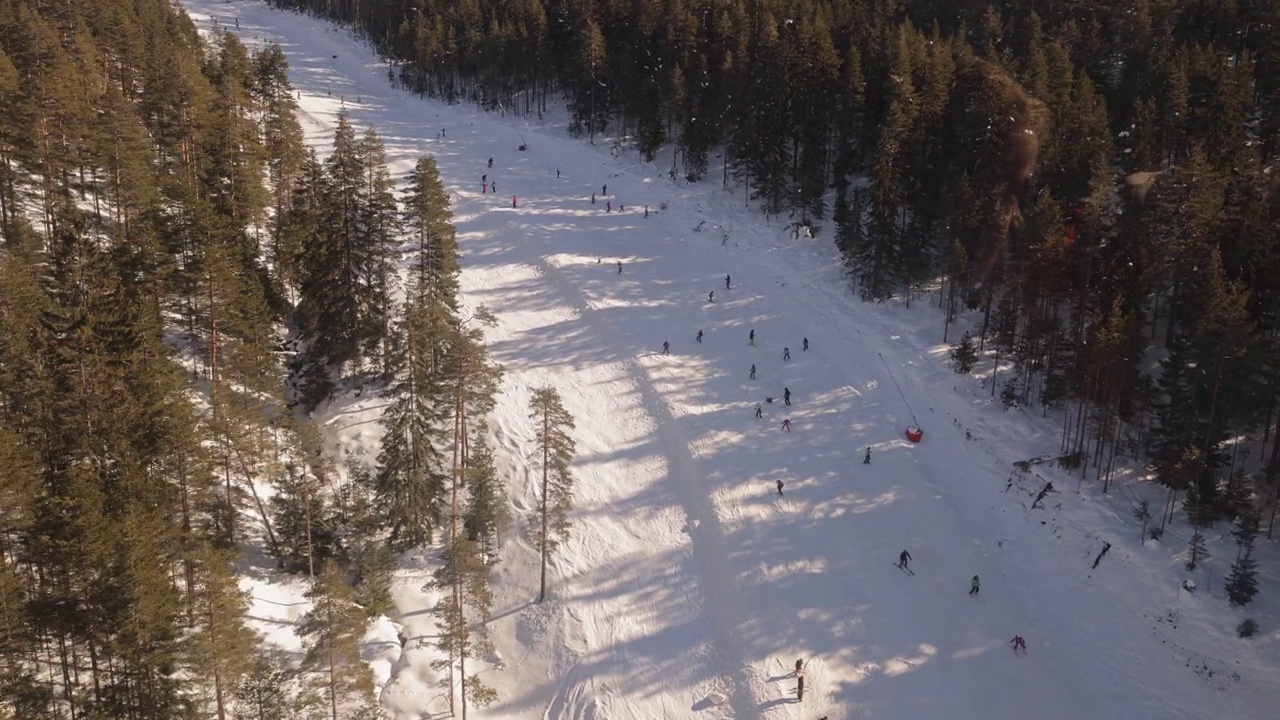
{"points": [[687, 574]]}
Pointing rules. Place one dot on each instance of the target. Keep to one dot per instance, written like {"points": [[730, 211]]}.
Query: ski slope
{"points": [[687, 574]]}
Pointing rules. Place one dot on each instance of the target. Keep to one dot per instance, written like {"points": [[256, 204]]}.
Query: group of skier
{"points": [[975, 586], [904, 562]]}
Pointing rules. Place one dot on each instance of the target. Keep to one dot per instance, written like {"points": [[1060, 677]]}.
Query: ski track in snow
{"points": [[686, 574]]}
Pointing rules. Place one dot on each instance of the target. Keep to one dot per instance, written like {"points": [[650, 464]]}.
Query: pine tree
{"points": [[284, 153], [486, 512], [262, 694], [20, 689], [811, 112], [472, 383], [302, 519], [221, 651], [965, 354], [1242, 583], [464, 613], [331, 634], [412, 475], [379, 225], [556, 447], [880, 258], [337, 310], [364, 549], [429, 225], [590, 102]]}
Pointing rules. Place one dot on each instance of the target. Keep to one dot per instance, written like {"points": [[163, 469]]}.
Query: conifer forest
{"points": [[182, 280]]}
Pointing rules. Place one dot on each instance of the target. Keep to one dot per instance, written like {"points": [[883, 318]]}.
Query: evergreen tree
{"points": [[221, 652], [303, 522], [331, 634], [262, 693], [486, 512], [464, 613], [429, 225], [338, 306], [20, 689], [965, 354], [379, 224], [556, 446], [285, 155], [472, 383], [1242, 582], [412, 476]]}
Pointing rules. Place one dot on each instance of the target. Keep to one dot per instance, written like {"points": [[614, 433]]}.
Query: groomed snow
{"points": [[690, 586]]}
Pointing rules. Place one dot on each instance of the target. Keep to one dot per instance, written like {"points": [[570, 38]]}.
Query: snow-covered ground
{"points": [[687, 574]]}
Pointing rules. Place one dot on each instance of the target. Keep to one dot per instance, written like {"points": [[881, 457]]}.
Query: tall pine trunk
{"points": [[546, 461]]}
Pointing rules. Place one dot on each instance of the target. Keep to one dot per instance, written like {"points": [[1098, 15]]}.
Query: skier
{"points": [[604, 189], [780, 487], [786, 396], [799, 667], [491, 163], [622, 208], [752, 374], [786, 425], [484, 178], [593, 198], [608, 206], [619, 267], [1019, 643], [557, 173], [726, 282], [484, 188], [751, 337], [646, 211], [711, 296], [974, 585], [513, 201], [786, 353], [666, 348], [805, 347], [800, 688], [904, 559], [866, 459], [494, 185], [759, 412], [699, 336]]}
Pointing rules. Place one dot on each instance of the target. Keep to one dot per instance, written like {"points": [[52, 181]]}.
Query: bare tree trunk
{"points": [[546, 462], [462, 665], [333, 683], [457, 448], [1111, 459]]}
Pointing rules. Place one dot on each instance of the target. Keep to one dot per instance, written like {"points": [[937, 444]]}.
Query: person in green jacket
{"points": [[974, 585]]}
